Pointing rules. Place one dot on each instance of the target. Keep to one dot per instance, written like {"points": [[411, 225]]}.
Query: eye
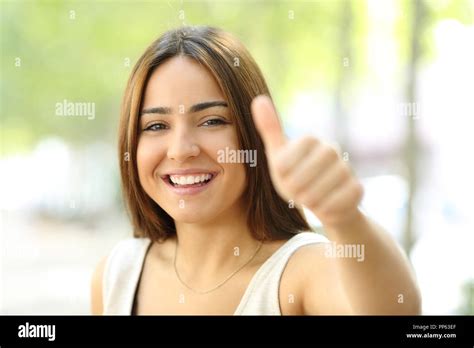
{"points": [[214, 122], [155, 127]]}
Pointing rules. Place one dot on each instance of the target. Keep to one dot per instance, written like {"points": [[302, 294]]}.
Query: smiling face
{"points": [[184, 122]]}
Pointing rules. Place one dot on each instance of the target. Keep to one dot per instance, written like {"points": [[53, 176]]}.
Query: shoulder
{"points": [[303, 247], [96, 287], [126, 249], [316, 274], [306, 257], [308, 246]]}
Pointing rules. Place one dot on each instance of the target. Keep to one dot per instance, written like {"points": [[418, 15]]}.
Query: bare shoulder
{"points": [[294, 278], [96, 287], [310, 261], [314, 276]]}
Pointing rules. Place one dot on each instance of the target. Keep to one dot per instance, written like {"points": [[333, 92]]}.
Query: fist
{"points": [[307, 170]]}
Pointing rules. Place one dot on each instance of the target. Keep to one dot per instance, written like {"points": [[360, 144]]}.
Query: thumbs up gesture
{"points": [[307, 170]]}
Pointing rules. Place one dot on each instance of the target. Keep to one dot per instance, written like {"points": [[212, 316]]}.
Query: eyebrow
{"points": [[195, 108]]}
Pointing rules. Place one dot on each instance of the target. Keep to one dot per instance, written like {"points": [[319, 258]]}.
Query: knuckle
{"points": [[358, 190], [308, 200], [292, 187], [329, 153], [280, 166], [309, 140], [344, 172]]}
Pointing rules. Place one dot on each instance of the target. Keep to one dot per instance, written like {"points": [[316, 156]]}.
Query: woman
{"points": [[219, 233]]}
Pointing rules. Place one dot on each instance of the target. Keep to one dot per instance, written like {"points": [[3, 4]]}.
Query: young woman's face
{"points": [[183, 125]]}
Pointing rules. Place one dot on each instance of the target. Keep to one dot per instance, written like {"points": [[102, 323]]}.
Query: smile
{"points": [[189, 184], [189, 180]]}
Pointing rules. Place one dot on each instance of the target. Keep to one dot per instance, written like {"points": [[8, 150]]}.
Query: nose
{"points": [[182, 146]]}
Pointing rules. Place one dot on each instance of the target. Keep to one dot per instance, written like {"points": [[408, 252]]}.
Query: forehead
{"points": [[181, 80]]}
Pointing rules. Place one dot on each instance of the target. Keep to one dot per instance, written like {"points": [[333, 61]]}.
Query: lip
{"points": [[188, 191], [189, 171]]}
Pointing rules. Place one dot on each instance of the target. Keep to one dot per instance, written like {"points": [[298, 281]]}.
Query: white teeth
{"points": [[189, 179]]}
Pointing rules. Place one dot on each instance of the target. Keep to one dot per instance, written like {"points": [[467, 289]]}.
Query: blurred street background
{"points": [[391, 81]]}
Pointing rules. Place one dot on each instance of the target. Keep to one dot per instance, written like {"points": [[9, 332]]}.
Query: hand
{"points": [[307, 170]]}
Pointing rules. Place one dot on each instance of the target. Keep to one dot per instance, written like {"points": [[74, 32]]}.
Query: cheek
{"points": [[235, 175], [212, 144], [149, 154], [234, 180]]}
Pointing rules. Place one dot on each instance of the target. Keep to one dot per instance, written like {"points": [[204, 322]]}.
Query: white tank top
{"points": [[124, 265]]}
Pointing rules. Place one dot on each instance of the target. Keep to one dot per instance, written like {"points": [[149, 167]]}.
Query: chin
{"points": [[191, 216]]}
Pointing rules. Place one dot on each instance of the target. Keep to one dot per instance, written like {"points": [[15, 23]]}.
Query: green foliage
{"points": [[78, 51]]}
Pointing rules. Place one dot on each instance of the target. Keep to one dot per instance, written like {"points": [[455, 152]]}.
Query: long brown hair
{"points": [[240, 79]]}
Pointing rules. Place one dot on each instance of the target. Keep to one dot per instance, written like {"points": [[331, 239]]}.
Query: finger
{"points": [[330, 180], [295, 154], [345, 197], [267, 123], [317, 162]]}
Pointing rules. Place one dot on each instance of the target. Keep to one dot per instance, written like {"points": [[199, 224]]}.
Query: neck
{"points": [[210, 250]]}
